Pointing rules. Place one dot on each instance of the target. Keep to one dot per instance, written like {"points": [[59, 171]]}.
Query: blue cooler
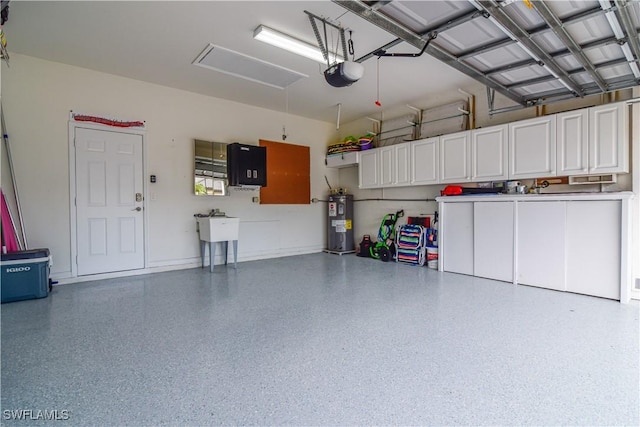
{"points": [[25, 275]]}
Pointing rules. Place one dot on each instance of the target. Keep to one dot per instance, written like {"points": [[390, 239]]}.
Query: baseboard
{"points": [[182, 264]]}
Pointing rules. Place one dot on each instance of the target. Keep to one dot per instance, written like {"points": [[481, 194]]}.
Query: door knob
{"points": [[137, 209]]}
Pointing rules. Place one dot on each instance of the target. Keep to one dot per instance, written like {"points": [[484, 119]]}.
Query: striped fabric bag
{"points": [[410, 244]]}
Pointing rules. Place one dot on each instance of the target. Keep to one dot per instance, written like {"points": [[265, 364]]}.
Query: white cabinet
{"points": [[493, 230], [394, 165], [402, 153], [368, 172], [573, 142], [578, 243], [387, 166], [457, 249], [489, 160], [455, 156], [541, 244], [593, 248], [424, 161], [532, 148], [609, 138], [593, 140]]}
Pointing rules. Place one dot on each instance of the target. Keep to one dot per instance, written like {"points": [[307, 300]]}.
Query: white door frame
{"points": [[73, 125]]}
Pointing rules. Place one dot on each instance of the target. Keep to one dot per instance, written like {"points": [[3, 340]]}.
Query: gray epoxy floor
{"points": [[320, 340]]}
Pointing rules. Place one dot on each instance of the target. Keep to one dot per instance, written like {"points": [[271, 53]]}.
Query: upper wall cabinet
{"points": [[368, 172], [532, 148], [593, 140], [588, 141], [394, 165], [424, 161], [385, 166], [387, 169], [609, 138], [489, 160], [455, 155], [402, 154], [573, 142]]}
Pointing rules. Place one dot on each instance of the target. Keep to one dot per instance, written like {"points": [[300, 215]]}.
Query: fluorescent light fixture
{"points": [[605, 5], [528, 52], [635, 69], [502, 28], [292, 44], [560, 79], [615, 25], [627, 52], [632, 61], [553, 73]]}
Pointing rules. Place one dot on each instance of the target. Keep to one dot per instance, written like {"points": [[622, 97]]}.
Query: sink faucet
{"points": [[216, 212], [539, 186]]}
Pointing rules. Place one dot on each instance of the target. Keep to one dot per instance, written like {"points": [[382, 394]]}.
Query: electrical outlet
{"points": [[314, 200], [256, 200]]}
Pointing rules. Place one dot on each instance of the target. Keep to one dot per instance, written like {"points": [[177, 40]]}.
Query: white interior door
{"points": [[109, 217]]}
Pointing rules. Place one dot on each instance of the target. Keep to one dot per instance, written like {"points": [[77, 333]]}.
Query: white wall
{"points": [[635, 210], [37, 98], [368, 214]]}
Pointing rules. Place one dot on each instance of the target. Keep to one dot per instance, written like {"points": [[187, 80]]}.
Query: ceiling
{"points": [[157, 42]]}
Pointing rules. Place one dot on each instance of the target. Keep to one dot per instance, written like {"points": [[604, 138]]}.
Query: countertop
{"points": [[621, 195]]}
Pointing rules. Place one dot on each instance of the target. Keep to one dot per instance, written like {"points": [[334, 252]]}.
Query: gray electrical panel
{"points": [[340, 224]]}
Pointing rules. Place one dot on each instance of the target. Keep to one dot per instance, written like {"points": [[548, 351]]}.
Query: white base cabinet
{"points": [[577, 243], [593, 248], [458, 252], [541, 244], [493, 240]]}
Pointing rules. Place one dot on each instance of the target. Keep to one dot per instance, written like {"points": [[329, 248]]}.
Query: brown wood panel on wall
{"points": [[288, 174]]}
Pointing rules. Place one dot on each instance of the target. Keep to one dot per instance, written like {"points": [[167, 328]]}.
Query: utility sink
{"points": [[213, 229], [218, 228]]}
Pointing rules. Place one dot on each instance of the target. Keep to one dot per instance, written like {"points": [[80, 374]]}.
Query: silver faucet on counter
{"points": [[212, 212], [537, 186]]}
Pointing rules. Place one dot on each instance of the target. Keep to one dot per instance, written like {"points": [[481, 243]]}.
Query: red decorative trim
{"points": [[108, 122]]}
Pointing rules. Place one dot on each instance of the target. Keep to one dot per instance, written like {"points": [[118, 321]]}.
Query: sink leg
{"points": [[235, 254], [203, 247], [212, 255], [226, 251]]}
